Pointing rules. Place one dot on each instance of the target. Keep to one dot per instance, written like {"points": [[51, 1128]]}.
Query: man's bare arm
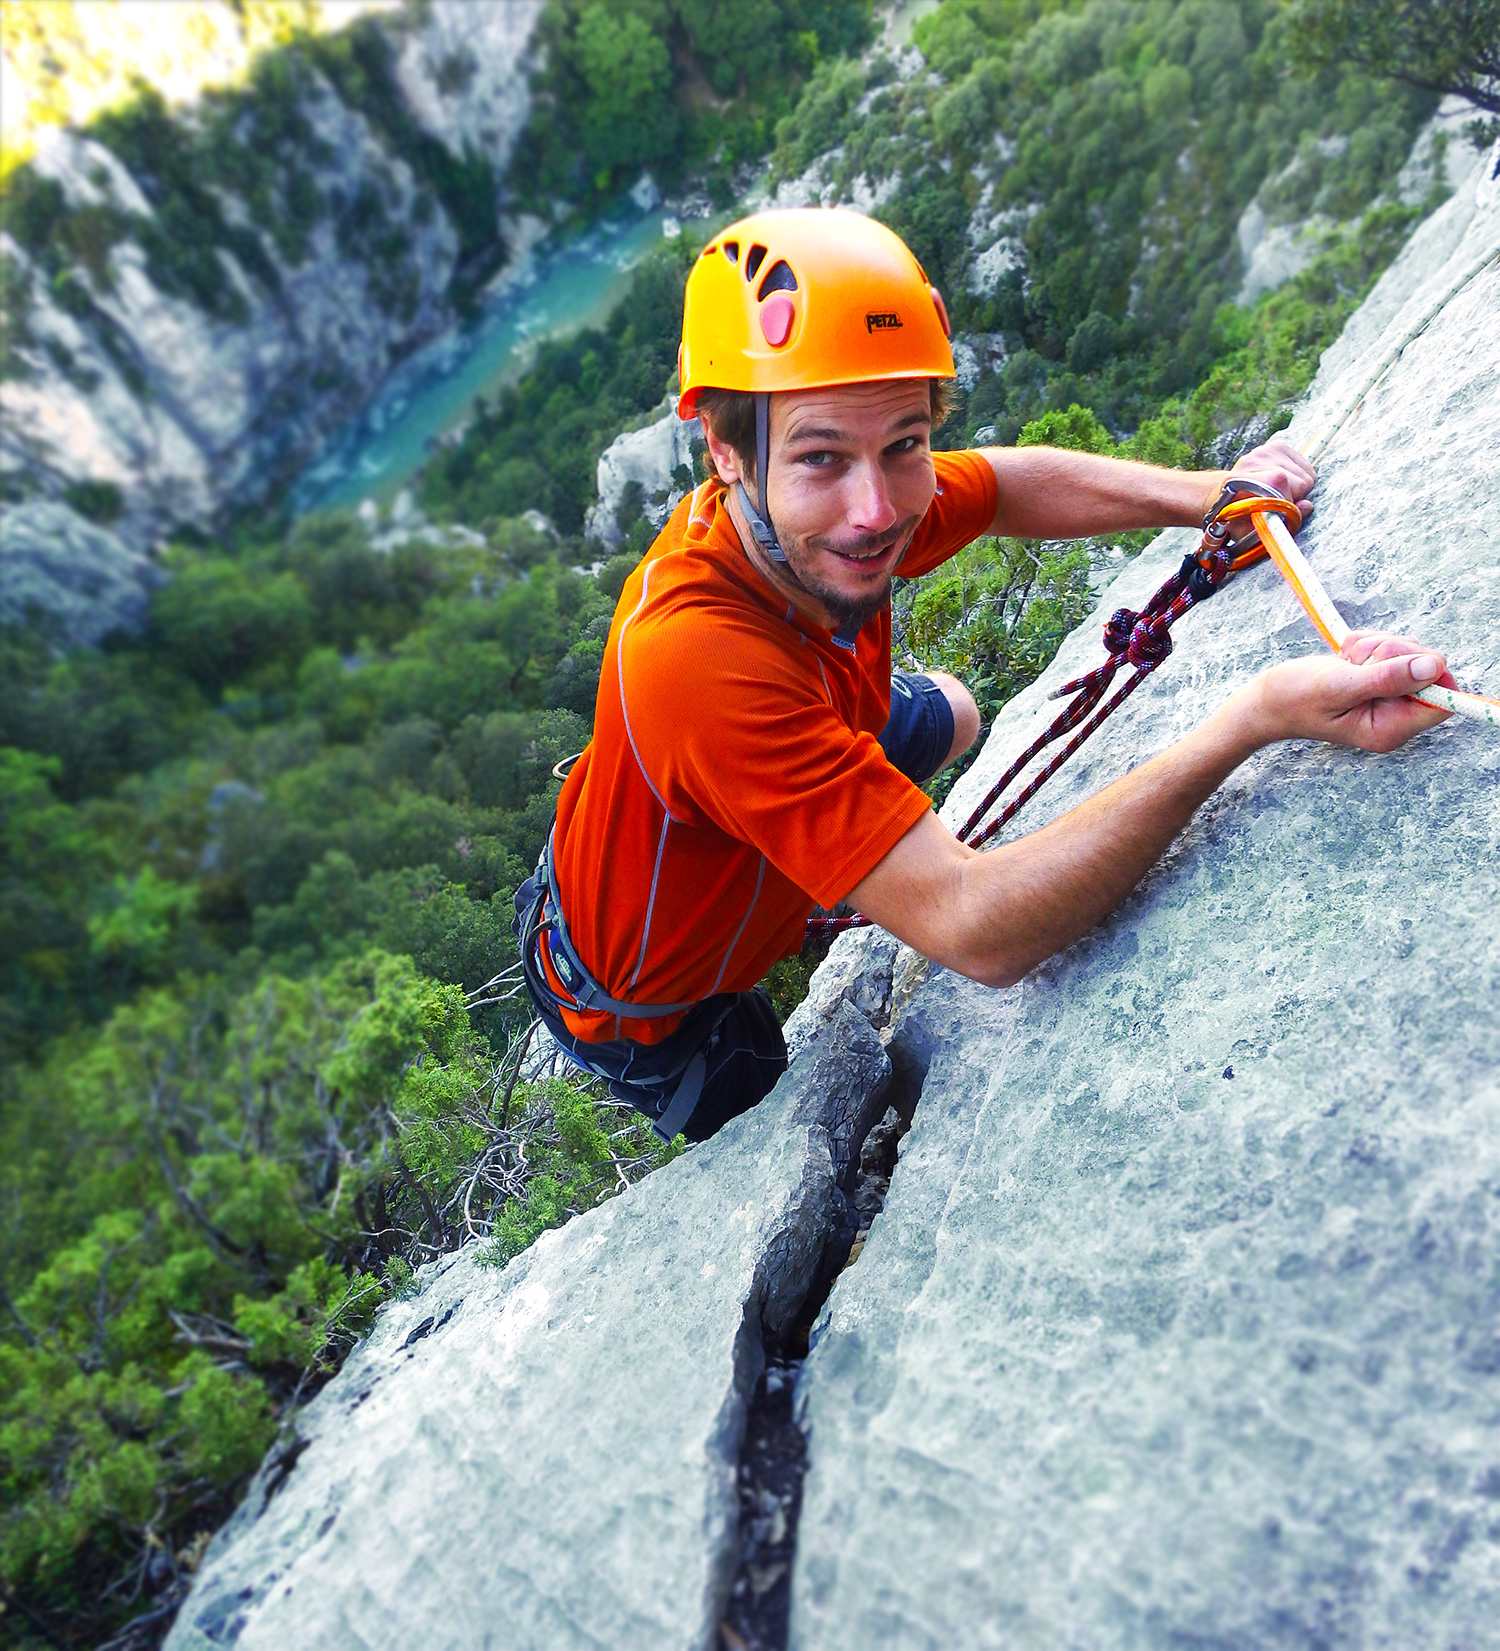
{"points": [[994, 916], [1053, 493]]}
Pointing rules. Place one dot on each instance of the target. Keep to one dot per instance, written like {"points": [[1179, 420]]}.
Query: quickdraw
{"points": [[1143, 640]]}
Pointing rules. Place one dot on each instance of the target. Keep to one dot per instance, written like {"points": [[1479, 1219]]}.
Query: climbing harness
{"points": [[543, 925], [540, 925]]}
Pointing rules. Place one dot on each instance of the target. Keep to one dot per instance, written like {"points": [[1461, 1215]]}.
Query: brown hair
{"points": [[731, 416]]}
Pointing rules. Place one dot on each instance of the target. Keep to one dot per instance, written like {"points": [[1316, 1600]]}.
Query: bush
{"points": [[216, 1193], [217, 624], [622, 87]]}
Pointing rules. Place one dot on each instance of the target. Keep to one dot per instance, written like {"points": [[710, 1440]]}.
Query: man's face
{"points": [[850, 478]]}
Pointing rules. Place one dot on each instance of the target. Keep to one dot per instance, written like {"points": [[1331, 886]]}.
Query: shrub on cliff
{"points": [[205, 1204], [664, 84]]}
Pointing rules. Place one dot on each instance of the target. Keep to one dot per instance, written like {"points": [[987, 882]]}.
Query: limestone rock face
{"points": [[464, 72], [184, 412], [77, 579], [653, 459], [1181, 1325], [857, 971], [545, 1456]]}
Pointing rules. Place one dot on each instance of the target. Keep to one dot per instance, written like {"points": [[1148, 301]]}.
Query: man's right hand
{"points": [[1285, 467]]}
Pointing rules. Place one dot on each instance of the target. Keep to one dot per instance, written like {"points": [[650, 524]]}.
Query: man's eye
{"points": [[907, 444], [816, 461]]}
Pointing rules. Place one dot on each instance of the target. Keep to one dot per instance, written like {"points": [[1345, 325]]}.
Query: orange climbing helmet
{"points": [[804, 297]]}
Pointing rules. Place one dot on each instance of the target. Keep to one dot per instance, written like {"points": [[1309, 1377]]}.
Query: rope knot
{"points": [[1150, 643], [1119, 628]]}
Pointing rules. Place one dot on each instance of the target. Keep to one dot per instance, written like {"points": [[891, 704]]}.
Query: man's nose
{"points": [[870, 507]]}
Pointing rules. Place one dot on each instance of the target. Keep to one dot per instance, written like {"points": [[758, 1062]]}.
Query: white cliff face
{"points": [[185, 412], [652, 458], [464, 74], [218, 407], [1442, 158], [78, 579]]}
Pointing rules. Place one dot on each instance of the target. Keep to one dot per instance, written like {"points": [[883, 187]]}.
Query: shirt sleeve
{"points": [[735, 736], [963, 510]]}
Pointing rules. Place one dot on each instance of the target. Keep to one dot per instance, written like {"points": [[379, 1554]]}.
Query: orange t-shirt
{"points": [[734, 778]]}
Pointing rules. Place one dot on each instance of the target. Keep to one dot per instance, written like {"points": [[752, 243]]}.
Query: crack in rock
{"points": [[559, 1467]]}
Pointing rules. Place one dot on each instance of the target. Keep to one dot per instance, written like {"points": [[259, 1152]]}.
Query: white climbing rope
{"points": [[1320, 442]]}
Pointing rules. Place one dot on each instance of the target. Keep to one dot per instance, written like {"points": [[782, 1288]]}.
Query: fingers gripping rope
{"points": [[1141, 640]]}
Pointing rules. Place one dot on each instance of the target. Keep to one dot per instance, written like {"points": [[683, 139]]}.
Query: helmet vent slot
{"points": [[731, 250], [780, 279], [754, 258]]}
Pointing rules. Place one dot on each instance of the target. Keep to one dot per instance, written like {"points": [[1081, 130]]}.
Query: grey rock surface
{"points": [[1181, 1324], [545, 1456], [74, 578], [857, 971]]}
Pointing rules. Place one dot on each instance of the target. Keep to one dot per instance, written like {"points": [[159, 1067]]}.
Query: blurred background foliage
{"points": [[675, 87]]}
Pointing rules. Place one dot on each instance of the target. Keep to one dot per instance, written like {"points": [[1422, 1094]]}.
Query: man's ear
{"points": [[726, 461]]}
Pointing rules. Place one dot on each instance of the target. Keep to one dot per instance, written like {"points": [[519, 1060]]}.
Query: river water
{"points": [[556, 291]]}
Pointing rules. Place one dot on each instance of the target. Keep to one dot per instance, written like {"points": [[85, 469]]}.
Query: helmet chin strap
{"points": [[760, 520]]}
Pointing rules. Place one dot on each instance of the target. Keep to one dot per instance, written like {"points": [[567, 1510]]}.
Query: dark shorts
{"points": [[738, 1031], [919, 733]]}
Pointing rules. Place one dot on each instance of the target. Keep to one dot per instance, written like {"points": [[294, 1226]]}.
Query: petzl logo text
{"points": [[882, 323]]}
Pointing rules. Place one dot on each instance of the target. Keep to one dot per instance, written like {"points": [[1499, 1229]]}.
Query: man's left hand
{"points": [[1283, 466], [1358, 696]]}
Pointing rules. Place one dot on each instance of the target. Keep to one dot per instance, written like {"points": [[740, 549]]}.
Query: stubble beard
{"points": [[850, 612]]}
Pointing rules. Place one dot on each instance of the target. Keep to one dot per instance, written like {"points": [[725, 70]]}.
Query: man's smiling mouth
{"points": [[859, 558]]}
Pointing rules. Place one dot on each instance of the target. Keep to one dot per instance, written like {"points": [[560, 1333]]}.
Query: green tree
{"points": [[630, 119], [216, 622], [1077, 428], [1440, 45], [204, 1204]]}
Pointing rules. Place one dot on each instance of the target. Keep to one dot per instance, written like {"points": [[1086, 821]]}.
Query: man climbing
{"points": [[754, 755]]}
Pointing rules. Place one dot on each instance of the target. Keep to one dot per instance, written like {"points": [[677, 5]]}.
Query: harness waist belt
{"points": [[545, 916]]}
